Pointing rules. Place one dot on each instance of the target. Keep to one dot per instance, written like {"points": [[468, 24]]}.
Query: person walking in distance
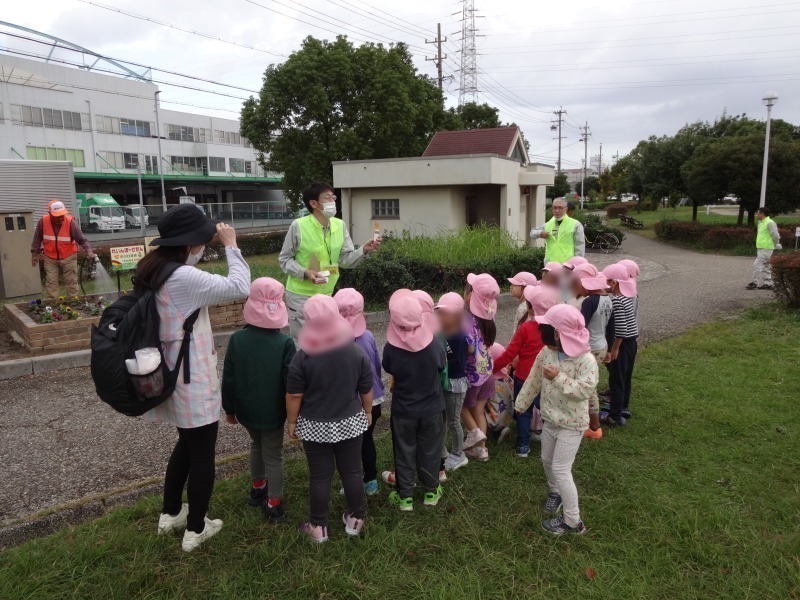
{"points": [[563, 235], [57, 236], [315, 248], [767, 241]]}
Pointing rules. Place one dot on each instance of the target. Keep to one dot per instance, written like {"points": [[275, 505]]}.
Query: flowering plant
{"points": [[67, 308]]}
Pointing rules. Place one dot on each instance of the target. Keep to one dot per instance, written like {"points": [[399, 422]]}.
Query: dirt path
{"points": [[59, 443]]}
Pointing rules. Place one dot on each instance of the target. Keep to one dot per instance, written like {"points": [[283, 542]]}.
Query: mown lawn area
{"points": [[696, 499]]}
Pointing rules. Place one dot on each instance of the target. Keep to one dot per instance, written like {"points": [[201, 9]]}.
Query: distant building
{"points": [[105, 125], [463, 178]]}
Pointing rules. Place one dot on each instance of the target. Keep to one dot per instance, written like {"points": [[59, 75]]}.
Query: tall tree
{"points": [[559, 188], [334, 101], [477, 116]]}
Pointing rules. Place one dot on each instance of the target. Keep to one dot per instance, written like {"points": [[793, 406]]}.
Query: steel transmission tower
{"points": [[468, 90]]}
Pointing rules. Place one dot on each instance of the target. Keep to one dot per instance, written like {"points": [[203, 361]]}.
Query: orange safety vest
{"points": [[61, 246]]}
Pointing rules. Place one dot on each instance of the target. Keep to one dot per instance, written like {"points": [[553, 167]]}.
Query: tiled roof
{"points": [[473, 141]]}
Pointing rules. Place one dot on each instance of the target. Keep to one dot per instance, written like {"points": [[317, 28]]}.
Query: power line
{"points": [[382, 20], [176, 27]]}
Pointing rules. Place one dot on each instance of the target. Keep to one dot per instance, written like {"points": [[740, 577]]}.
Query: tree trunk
{"points": [[740, 218], [751, 218], [694, 212]]}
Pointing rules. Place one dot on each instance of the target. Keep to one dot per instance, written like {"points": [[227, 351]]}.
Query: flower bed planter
{"points": [[75, 334]]}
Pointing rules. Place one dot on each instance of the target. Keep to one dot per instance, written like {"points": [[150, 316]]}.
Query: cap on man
{"points": [[563, 235], [58, 235]]}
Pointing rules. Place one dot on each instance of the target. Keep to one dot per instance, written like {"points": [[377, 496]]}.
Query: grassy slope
{"points": [[697, 498]]}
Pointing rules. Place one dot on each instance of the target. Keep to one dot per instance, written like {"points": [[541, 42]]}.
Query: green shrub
{"points": [[649, 204], [727, 237], [680, 231], [618, 209], [786, 277], [254, 244], [592, 225]]}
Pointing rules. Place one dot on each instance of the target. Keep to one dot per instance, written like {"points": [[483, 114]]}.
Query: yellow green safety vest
{"points": [[326, 246], [764, 240], [560, 248]]}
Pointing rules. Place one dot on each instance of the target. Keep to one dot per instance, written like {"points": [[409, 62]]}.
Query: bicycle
{"points": [[605, 242]]}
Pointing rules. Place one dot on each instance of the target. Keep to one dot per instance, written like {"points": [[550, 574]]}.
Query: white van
{"points": [[133, 216]]}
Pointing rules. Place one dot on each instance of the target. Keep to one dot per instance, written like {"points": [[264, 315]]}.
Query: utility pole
{"points": [[160, 166], [556, 126], [616, 157], [468, 90], [600, 162], [438, 59], [585, 139]]}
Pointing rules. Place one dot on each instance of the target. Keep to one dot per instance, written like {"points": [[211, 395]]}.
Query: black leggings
{"points": [[323, 459], [369, 454], [192, 459]]}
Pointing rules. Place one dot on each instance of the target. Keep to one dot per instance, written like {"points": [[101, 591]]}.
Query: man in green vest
{"points": [[563, 235], [315, 248], [767, 241]]}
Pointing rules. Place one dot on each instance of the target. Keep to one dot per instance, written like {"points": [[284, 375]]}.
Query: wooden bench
{"points": [[631, 222]]}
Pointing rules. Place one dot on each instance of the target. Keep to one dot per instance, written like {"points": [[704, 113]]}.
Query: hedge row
{"points": [[786, 277], [615, 210], [715, 237]]}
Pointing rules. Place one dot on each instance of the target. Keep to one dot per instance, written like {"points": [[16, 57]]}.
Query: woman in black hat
{"points": [[194, 407]]}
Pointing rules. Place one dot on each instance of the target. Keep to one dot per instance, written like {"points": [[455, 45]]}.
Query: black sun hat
{"points": [[185, 225]]}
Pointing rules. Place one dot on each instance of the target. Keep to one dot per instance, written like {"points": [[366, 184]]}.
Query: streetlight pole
{"points": [[160, 166], [769, 100]]}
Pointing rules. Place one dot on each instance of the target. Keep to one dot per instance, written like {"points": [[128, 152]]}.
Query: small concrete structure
{"points": [[431, 193]]}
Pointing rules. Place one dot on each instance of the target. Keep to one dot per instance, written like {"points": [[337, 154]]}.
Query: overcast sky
{"points": [[630, 68]]}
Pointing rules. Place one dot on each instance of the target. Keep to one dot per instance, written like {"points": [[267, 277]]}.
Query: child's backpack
{"points": [[132, 323]]}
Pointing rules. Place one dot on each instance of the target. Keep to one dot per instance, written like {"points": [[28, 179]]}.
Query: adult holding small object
{"points": [[194, 406], [768, 240], [315, 248], [563, 235], [58, 235]]}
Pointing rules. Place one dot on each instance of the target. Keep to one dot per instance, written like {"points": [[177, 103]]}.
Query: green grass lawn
{"points": [[696, 499]]}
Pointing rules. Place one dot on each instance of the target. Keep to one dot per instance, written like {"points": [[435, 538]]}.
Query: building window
{"points": [[49, 117], [386, 209], [182, 133], [45, 153], [248, 167], [237, 165], [189, 164], [216, 164]]}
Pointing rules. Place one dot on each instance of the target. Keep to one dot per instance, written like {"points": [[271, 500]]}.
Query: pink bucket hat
{"points": [[553, 267], [451, 303], [427, 306], [324, 328], [496, 351], [523, 278], [574, 262], [619, 273], [407, 329], [351, 307], [592, 284], [631, 266], [571, 327], [483, 303], [584, 270], [265, 306], [542, 298]]}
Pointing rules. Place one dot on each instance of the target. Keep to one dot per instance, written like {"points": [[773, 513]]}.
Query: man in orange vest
{"points": [[58, 235]]}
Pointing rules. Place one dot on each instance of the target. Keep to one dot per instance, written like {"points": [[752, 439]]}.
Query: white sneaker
{"points": [[167, 523], [192, 540], [454, 462], [503, 435], [474, 437]]}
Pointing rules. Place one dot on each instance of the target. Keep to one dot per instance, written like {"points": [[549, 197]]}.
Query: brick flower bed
{"points": [[67, 336]]}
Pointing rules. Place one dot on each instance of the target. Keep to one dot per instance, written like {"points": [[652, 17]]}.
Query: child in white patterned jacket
{"points": [[565, 373]]}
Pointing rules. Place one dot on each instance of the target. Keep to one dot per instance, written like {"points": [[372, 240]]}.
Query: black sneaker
{"points": [[257, 496], [751, 286], [607, 419], [557, 526], [626, 414], [765, 287], [605, 394], [553, 503], [274, 514]]}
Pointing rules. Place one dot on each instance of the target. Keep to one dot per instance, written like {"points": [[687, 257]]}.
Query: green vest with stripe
{"points": [[326, 246], [560, 248], [764, 239]]}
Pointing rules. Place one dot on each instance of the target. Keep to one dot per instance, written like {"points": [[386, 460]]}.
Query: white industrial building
{"points": [[105, 125]]}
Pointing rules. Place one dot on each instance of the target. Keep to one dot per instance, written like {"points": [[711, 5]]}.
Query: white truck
{"points": [[133, 216], [99, 212]]}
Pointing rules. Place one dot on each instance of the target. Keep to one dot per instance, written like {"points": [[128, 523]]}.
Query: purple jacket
{"points": [[367, 343]]}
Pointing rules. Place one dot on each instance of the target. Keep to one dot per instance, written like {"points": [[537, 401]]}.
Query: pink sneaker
{"points": [[474, 437], [316, 533], [480, 454], [389, 478], [352, 526]]}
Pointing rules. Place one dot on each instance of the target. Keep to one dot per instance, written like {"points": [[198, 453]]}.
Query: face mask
{"points": [[193, 259], [329, 209]]}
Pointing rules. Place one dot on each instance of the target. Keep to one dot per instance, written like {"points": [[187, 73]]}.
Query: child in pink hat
{"points": [[351, 307], [575, 261], [518, 284], [551, 274], [480, 296], [415, 360], [329, 407], [254, 390], [500, 407], [623, 344], [631, 266], [524, 348], [565, 374]]}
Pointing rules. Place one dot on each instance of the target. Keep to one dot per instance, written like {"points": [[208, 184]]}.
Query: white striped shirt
{"points": [[626, 322]]}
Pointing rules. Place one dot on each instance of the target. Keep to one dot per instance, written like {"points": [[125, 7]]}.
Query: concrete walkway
{"points": [[59, 444]]}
